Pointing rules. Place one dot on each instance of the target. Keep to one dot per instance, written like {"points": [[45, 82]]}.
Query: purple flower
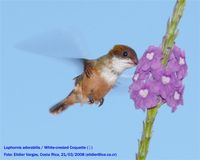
{"points": [[153, 82], [141, 75], [177, 62], [175, 98], [151, 59], [144, 94], [167, 81]]}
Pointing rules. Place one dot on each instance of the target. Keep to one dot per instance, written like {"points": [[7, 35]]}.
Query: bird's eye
{"points": [[125, 54]]}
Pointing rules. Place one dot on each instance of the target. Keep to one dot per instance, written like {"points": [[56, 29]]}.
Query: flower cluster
{"points": [[153, 82]]}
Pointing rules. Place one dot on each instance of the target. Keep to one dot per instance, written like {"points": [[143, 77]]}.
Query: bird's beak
{"points": [[135, 60]]}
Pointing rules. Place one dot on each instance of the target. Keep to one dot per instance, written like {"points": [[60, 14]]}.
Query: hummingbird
{"points": [[98, 77]]}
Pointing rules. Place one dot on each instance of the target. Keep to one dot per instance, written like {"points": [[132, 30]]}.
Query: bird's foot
{"points": [[101, 102], [91, 99]]}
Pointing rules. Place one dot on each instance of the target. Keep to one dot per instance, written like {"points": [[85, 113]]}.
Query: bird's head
{"points": [[123, 57]]}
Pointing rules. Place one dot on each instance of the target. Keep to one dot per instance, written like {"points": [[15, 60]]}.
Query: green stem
{"points": [[171, 33], [146, 135], [167, 45]]}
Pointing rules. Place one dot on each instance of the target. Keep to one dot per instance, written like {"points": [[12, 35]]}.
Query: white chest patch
{"points": [[109, 76], [112, 71]]}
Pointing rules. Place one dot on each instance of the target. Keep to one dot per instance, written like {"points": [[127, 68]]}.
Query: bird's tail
{"points": [[64, 104]]}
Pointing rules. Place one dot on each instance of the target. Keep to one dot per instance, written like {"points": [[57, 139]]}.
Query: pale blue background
{"points": [[31, 83]]}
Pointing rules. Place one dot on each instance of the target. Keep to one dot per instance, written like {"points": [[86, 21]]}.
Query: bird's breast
{"points": [[109, 75]]}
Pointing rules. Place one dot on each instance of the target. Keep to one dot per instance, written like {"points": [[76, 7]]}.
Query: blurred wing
{"points": [[59, 44], [54, 43]]}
